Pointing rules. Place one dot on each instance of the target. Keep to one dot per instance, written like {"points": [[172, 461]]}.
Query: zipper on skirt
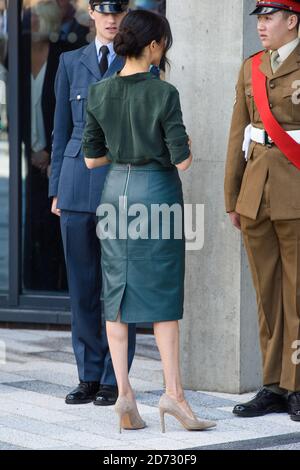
{"points": [[126, 186]]}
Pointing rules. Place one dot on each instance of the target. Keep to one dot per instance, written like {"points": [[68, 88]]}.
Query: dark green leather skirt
{"points": [[142, 243]]}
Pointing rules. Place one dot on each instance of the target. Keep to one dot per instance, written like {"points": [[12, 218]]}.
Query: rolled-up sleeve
{"points": [[175, 134], [93, 142]]}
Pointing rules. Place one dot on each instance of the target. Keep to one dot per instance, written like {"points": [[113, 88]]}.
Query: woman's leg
{"points": [[126, 407], [167, 339], [117, 334]]}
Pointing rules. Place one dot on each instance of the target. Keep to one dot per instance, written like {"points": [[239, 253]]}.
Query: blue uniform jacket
{"points": [[76, 187]]}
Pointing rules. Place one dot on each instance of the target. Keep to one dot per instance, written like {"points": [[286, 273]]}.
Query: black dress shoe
{"points": [[263, 403], [84, 393], [107, 395], [294, 406]]}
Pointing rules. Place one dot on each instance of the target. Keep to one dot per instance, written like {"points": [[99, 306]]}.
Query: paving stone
{"points": [[26, 439], [41, 370], [39, 386], [6, 446]]}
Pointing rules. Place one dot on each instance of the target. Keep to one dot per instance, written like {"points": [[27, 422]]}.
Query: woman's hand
{"points": [[183, 166], [92, 163], [186, 163]]}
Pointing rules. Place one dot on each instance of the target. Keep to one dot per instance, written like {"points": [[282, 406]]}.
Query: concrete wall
{"points": [[219, 332]]}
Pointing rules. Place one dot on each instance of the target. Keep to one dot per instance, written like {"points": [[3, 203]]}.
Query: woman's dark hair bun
{"points": [[138, 29], [126, 43]]}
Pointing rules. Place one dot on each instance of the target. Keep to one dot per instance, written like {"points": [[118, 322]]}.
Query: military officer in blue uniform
{"points": [[76, 193]]}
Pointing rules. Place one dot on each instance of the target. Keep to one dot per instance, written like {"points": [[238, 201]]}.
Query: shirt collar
{"points": [[110, 47], [287, 49], [136, 77]]}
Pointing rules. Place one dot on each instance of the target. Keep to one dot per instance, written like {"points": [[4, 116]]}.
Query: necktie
{"points": [[103, 65], [274, 61]]}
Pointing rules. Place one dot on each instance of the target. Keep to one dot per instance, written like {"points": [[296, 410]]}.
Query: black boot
{"points": [[294, 406], [85, 392], [107, 395], [263, 403]]}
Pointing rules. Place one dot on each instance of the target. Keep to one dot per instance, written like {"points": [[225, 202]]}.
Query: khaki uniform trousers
{"points": [[273, 249]]}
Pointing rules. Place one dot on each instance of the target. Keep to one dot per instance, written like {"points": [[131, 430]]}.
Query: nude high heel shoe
{"points": [[129, 417], [167, 405]]}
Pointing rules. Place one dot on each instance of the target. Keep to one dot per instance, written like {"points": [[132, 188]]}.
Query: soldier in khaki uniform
{"points": [[262, 194]]}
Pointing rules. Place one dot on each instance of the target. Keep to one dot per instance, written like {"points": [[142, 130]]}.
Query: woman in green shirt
{"points": [[134, 121]]}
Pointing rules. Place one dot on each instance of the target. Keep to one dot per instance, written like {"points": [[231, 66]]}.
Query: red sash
{"points": [[282, 139]]}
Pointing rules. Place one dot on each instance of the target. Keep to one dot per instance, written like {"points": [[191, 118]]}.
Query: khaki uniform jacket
{"points": [[244, 181]]}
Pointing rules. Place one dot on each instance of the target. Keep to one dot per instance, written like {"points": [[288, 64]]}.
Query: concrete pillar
{"points": [[219, 333]]}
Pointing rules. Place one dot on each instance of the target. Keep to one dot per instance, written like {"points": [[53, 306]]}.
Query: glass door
{"points": [[4, 150], [33, 282], [48, 28]]}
